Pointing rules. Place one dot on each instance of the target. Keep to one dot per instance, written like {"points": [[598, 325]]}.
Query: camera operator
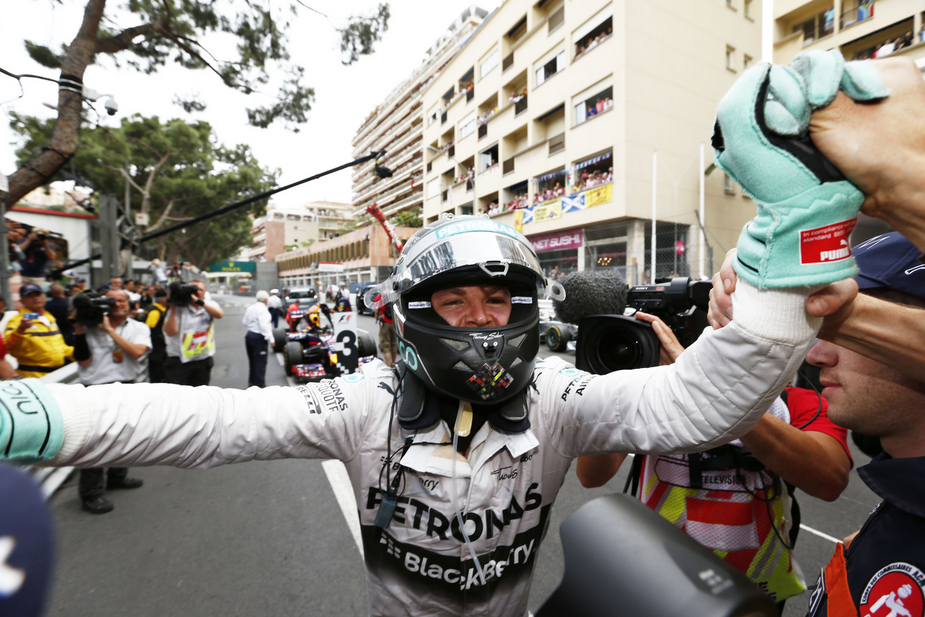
{"points": [[189, 334], [109, 353], [794, 442], [37, 252], [155, 321]]}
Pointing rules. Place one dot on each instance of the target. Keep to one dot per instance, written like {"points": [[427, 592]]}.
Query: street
{"points": [[271, 538]]}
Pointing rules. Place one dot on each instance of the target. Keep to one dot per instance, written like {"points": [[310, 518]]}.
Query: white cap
{"points": [[262, 296], [274, 292]]}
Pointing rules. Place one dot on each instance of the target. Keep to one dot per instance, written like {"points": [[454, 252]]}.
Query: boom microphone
{"points": [[597, 292]]}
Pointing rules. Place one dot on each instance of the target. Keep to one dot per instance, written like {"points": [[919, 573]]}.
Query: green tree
{"points": [[409, 218], [176, 171], [172, 31]]}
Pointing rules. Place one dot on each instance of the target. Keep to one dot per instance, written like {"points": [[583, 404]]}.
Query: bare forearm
{"points": [[595, 471], [170, 325], [883, 331], [136, 350], [813, 462]]}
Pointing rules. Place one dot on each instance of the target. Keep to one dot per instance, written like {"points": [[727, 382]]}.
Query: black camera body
{"points": [[181, 294], [608, 343], [91, 307]]}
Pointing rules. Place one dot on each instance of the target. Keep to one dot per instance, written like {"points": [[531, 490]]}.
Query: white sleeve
{"points": [[141, 334], [715, 392], [266, 325], [164, 424]]}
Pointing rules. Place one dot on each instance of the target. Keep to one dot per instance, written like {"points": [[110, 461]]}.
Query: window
{"points": [[819, 25], [550, 68], [467, 125], [592, 172], [488, 158], [490, 62], [549, 186], [728, 184], [596, 30], [746, 61], [594, 105], [557, 143], [747, 9], [519, 29], [730, 58], [556, 19], [730, 4]]}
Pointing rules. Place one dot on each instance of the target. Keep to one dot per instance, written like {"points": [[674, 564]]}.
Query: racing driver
{"points": [[457, 453]]}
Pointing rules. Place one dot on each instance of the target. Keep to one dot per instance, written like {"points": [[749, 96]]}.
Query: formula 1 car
{"points": [[310, 352]]}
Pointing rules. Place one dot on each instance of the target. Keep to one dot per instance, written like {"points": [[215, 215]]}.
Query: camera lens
{"points": [[619, 350], [608, 343]]}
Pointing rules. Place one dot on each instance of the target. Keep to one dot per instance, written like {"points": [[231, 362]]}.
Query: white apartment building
{"points": [[581, 122], [288, 228], [396, 126]]}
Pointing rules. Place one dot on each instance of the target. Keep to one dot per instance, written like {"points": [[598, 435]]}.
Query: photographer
{"points": [[108, 352], [189, 334], [33, 337], [794, 442], [37, 251]]}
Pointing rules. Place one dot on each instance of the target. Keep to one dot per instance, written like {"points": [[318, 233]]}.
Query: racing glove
{"points": [[31, 427], [806, 207]]}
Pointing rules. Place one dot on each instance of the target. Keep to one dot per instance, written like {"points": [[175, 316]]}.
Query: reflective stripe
{"points": [[727, 523], [197, 343], [838, 592]]}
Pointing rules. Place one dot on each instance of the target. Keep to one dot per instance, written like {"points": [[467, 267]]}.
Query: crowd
{"points": [[597, 177], [484, 118], [891, 46], [720, 438], [599, 107], [557, 190], [133, 333], [583, 48], [516, 97]]}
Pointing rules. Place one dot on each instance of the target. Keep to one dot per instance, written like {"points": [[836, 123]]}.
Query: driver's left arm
{"points": [[715, 392]]}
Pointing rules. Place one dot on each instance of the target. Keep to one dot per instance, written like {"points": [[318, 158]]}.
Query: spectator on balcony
{"points": [[922, 34], [909, 39], [828, 20]]}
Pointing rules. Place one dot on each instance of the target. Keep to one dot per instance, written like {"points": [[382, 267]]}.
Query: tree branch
{"points": [[123, 40]]}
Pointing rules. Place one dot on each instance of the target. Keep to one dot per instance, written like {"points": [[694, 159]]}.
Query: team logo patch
{"points": [[570, 372], [895, 591], [826, 244], [490, 382], [353, 378]]}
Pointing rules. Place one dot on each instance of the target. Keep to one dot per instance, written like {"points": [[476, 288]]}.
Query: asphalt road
{"points": [[271, 538]]}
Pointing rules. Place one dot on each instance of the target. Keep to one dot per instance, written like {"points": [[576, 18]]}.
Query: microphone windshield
{"points": [[599, 292]]}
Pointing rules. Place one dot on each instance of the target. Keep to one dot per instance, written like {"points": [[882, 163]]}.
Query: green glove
{"points": [[31, 427], [806, 208]]}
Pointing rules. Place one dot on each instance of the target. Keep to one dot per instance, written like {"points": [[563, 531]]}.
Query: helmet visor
{"points": [[493, 254]]}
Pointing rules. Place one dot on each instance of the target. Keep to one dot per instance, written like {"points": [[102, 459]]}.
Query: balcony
{"points": [[520, 106], [470, 94], [860, 13]]}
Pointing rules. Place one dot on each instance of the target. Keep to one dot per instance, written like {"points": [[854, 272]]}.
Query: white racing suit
{"points": [[420, 565]]}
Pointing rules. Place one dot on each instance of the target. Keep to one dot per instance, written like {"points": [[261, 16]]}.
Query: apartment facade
{"points": [[861, 29], [396, 126], [580, 123], [361, 256], [286, 228]]}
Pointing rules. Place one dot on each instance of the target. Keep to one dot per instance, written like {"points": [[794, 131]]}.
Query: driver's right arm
{"points": [[165, 424]]}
